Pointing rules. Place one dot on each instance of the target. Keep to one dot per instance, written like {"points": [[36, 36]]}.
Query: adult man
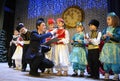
{"points": [[36, 51]]}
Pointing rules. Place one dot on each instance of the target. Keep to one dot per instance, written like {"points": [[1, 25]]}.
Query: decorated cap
{"points": [[79, 24], [21, 25], [94, 22], [51, 21], [60, 20], [111, 14]]}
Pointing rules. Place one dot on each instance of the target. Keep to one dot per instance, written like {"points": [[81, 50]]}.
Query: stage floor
{"points": [[9, 74]]}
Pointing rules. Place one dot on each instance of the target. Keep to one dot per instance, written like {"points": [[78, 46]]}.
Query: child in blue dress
{"points": [[78, 54], [110, 54]]}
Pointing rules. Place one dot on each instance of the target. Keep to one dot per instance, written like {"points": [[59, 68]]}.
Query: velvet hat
{"points": [[94, 22], [21, 25]]}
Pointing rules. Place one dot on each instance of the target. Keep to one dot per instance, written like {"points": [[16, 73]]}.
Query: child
{"points": [[93, 40], [50, 54], [25, 34], [61, 49], [110, 54], [12, 49], [78, 54], [17, 56]]}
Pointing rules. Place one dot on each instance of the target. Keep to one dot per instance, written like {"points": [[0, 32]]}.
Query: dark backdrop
{"points": [[114, 6]]}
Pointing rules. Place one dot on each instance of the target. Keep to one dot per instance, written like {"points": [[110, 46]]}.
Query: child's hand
{"points": [[17, 42], [85, 37], [71, 41], [59, 41], [14, 42], [109, 34], [104, 36], [53, 31], [79, 41], [89, 40], [56, 35], [52, 44]]}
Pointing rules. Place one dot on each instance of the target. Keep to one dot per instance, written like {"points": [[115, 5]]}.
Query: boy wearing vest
{"points": [[93, 40]]}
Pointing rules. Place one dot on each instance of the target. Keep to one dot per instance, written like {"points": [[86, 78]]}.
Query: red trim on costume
{"points": [[61, 35]]}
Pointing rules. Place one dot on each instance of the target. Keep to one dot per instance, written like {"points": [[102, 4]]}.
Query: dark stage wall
{"points": [[114, 6]]}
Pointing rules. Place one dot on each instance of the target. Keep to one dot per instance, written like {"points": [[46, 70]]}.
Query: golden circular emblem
{"points": [[72, 15]]}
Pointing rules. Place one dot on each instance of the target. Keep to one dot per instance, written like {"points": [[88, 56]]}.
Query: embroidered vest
{"points": [[61, 34], [94, 34]]}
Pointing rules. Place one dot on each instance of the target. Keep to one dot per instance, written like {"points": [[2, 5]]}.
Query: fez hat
{"points": [[60, 20], [51, 21]]}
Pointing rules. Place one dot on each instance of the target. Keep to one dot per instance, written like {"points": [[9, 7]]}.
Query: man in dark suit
{"points": [[35, 53]]}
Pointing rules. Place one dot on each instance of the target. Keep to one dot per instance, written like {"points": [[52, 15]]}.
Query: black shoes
{"points": [[75, 74], [36, 74], [10, 66], [81, 75], [23, 70], [94, 77]]}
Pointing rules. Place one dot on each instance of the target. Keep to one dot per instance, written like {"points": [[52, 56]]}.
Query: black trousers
{"points": [[38, 63], [93, 62], [24, 62], [10, 54]]}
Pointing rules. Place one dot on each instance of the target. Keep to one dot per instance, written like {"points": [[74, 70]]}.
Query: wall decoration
{"points": [[72, 15]]}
